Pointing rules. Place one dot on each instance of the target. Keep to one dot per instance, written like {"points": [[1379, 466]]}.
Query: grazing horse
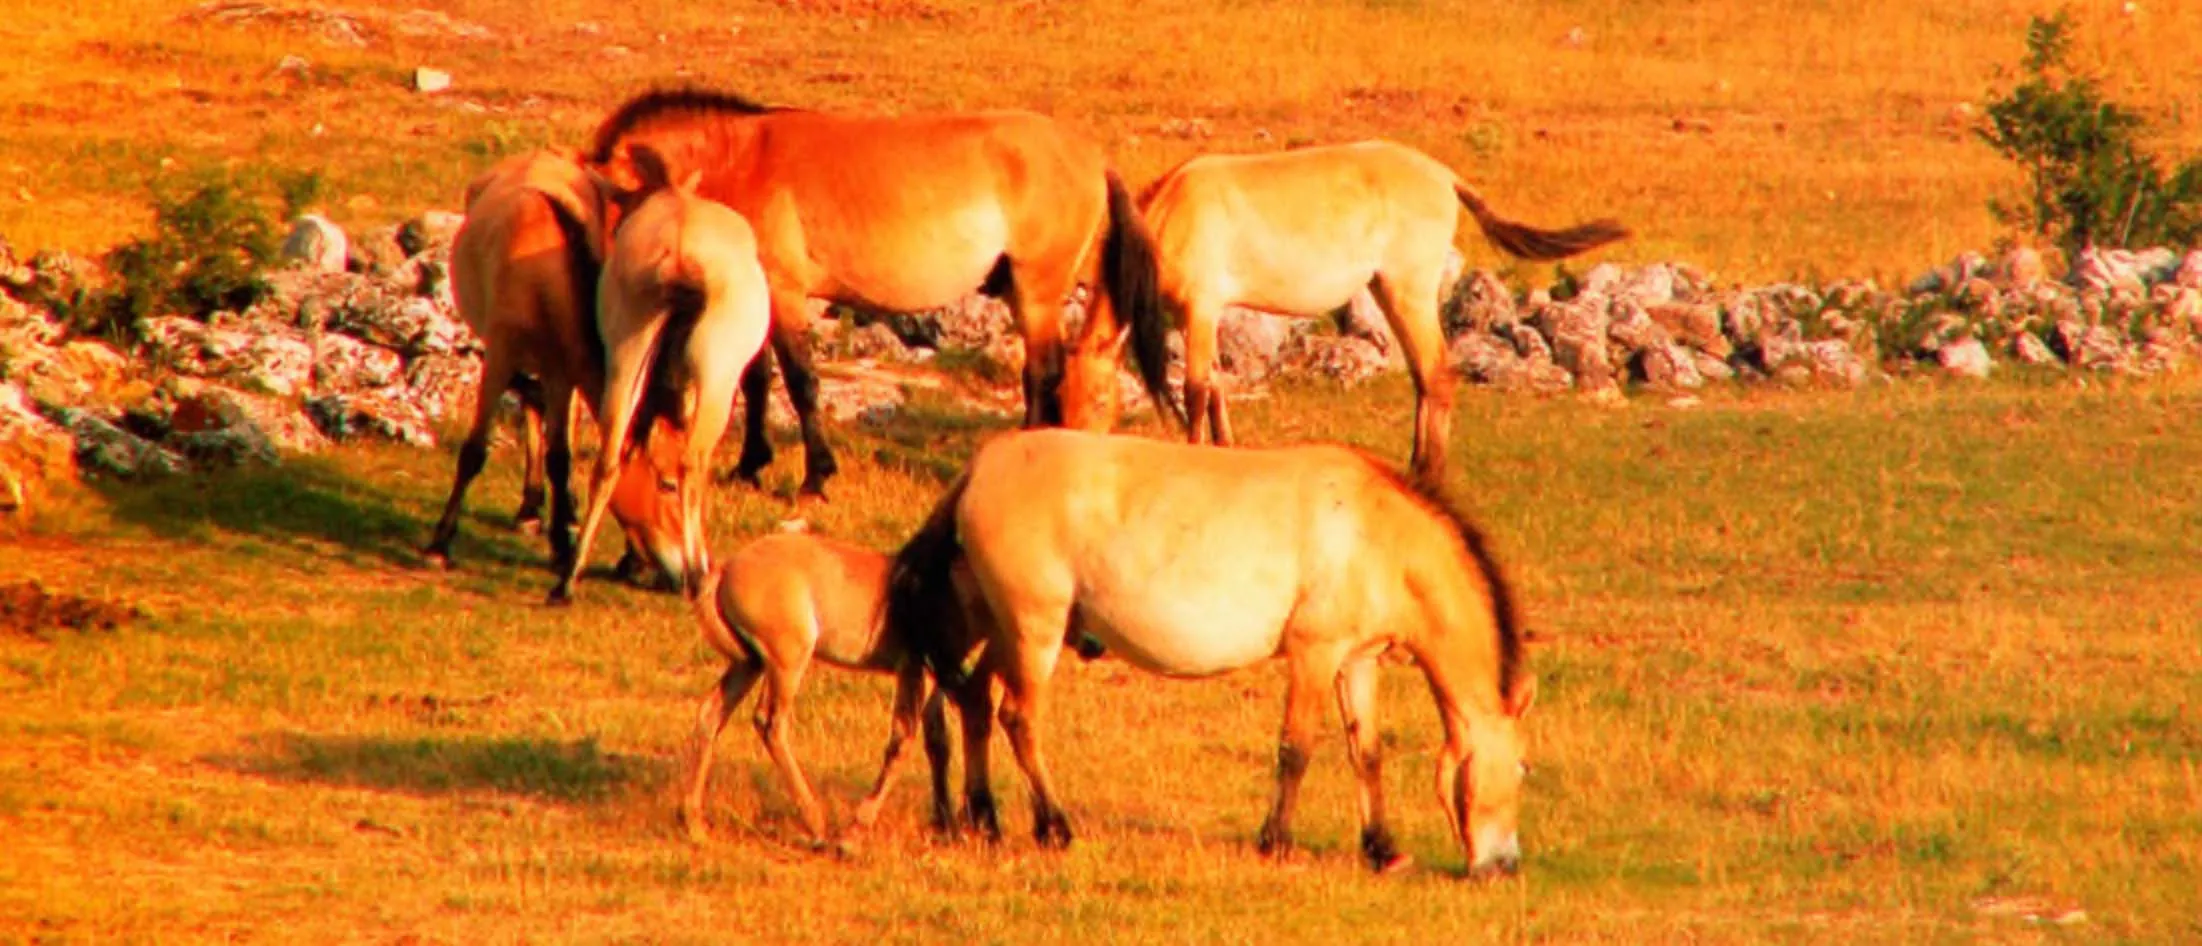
{"points": [[1298, 233], [523, 270], [682, 311], [782, 602], [1192, 561], [908, 213]]}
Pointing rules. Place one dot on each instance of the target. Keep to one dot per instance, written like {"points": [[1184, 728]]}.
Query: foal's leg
{"points": [[529, 519], [1408, 296], [1364, 750], [756, 399], [718, 706], [1024, 706], [1312, 673], [773, 714], [909, 701], [497, 374], [791, 343]]}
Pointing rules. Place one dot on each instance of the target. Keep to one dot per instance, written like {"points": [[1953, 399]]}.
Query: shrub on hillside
{"points": [[209, 251], [2090, 182]]}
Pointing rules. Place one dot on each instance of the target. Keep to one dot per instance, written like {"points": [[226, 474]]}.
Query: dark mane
{"points": [[658, 103], [1432, 496]]}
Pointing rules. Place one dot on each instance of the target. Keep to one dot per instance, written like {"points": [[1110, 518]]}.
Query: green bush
{"points": [[209, 252], [2090, 182]]}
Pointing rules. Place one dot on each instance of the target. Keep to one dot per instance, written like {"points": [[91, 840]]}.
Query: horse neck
{"points": [[721, 145]]}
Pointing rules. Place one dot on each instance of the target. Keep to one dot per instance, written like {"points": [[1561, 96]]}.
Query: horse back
{"points": [[516, 273]]}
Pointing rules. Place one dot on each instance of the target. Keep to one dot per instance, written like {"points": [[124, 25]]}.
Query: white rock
{"points": [[317, 243], [430, 81]]}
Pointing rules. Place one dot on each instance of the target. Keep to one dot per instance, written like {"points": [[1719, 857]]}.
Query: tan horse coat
{"points": [[683, 310], [524, 266], [1193, 561], [907, 213], [1298, 233]]}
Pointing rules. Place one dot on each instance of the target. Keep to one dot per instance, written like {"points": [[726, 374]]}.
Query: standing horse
{"points": [[682, 310], [903, 214], [1191, 561], [524, 266], [1298, 233]]}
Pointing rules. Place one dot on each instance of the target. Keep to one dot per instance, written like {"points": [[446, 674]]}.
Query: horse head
{"points": [[1491, 793], [646, 498], [1089, 387]]}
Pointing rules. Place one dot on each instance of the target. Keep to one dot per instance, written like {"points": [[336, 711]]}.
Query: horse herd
{"points": [[646, 275]]}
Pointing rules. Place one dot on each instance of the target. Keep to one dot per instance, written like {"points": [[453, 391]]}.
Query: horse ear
{"points": [[689, 181], [1525, 693]]}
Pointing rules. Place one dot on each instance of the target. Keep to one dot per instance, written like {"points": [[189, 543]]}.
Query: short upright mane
{"points": [[1432, 496], [658, 103]]}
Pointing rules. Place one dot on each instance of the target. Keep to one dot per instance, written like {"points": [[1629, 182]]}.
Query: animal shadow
{"points": [[573, 772]]}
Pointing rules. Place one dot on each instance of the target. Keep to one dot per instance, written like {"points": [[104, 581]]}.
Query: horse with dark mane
{"points": [[906, 213], [1195, 561]]}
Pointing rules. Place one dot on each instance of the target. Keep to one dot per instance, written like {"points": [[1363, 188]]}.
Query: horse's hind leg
{"points": [[1024, 707], [909, 702], [528, 520], [975, 709], [1408, 297], [558, 398], [497, 372], [756, 399], [1202, 398], [791, 344], [1311, 673], [773, 715], [718, 706], [1364, 750], [937, 753]]}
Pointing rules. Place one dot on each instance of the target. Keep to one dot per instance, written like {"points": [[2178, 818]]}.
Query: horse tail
{"points": [[686, 296], [1132, 276], [582, 269], [1531, 243], [921, 586], [721, 637]]}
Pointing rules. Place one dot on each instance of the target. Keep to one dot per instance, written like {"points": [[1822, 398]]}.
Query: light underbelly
{"points": [[1189, 635]]}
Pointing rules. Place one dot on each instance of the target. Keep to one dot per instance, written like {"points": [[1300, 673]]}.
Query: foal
{"points": [[772, 608]]}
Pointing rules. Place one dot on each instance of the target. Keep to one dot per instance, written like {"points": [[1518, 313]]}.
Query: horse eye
{"points": [[667, 486]]}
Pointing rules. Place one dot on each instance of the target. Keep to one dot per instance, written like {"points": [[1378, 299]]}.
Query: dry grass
{"points": [[1817, 139], [1866, 667]]}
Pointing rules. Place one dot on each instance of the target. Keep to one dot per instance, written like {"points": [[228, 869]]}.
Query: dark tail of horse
{"points": [[583, 268], [684, 302], [1133, 279], [1527, 242], [921, 591]]}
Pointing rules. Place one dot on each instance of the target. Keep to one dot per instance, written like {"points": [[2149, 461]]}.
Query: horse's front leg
{"points": [[1303, 713], [1364, 750]]}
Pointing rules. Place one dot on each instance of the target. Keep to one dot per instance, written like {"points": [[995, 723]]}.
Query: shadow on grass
{"points": [[311, 503], [575, 772]]}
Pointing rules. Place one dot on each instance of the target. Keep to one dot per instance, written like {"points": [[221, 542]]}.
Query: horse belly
{"points": [[919, 263], [1183, 635]]}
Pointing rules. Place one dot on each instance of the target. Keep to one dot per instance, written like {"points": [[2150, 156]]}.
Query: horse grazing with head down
{"points": [[1193, 561], [1298, 233], [524, 267], [906, 213], [682, 311]]}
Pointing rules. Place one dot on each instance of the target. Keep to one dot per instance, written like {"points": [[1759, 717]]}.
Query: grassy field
{"points": [[1892, 666], [1820, 140]]}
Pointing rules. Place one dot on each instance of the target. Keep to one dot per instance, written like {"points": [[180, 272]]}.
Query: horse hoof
{"points": [[438, 558], [558, 598], [528, 527], [1396, 865]]}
